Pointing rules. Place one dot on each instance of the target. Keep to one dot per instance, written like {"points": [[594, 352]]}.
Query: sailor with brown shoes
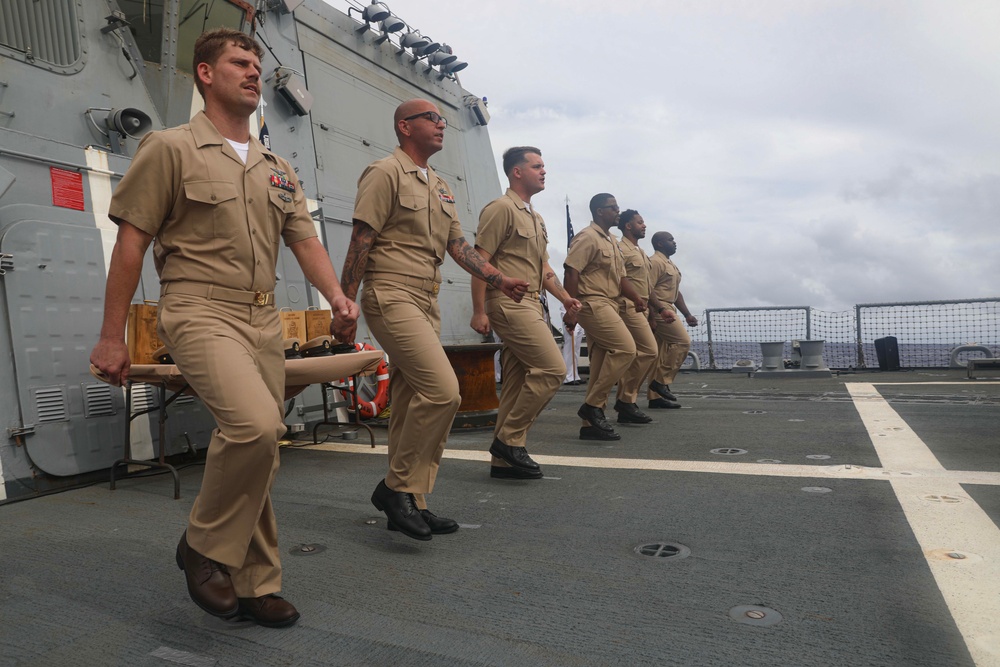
{"points": [[216, 203], [512, 236], [673, 342], [405, 220], [595, 274]]}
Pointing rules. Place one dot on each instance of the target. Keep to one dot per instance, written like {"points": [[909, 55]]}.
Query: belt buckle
{"points": [[260, 298], [436, 288]]}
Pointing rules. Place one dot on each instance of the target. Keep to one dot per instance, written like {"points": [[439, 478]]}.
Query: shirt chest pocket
{"points": [[523, 242], [412, 212], [280, 207], [214, 208]]}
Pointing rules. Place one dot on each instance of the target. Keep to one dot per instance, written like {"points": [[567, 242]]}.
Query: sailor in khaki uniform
{"points": [[404, 222], [672, 340], [633, 228], [217, 203], [512, 236], [595, 274]]}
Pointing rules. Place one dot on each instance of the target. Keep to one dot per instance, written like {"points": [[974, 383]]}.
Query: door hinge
{"points": [[18, 432], [6, 263]]}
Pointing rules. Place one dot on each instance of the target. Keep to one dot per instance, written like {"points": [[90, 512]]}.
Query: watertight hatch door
{"points": [[55, 301]]}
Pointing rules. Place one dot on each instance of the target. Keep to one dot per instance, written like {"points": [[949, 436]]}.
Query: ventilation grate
{"points": [[143, 397], [97, 400], [50, 404]]}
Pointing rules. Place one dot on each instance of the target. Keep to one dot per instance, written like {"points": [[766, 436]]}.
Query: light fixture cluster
{"points": [[420, 47]]}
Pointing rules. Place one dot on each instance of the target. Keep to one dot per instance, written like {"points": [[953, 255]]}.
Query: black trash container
{"points": [[887, 351]]}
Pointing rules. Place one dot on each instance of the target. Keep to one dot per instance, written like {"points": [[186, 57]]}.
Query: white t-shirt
{"points": [[241, 149]]}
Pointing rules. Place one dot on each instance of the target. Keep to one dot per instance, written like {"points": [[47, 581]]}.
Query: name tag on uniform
{"points": [[445, 197]]}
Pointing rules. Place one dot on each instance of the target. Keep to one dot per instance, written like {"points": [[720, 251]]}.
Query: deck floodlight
{"points": [[392, 24], [430, 48], [454, 66], [413, 41], [441, 58], [375, 12]]}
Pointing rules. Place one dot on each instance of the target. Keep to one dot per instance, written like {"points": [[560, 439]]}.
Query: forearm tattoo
{"points": [[362, 238], [473, 262], [555, 281]]}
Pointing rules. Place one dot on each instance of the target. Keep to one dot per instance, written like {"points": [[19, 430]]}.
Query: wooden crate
{"points": [[317, 324], [140, 333]]}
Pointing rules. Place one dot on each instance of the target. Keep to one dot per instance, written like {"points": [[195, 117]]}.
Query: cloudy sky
{"points": [[821, 153]]}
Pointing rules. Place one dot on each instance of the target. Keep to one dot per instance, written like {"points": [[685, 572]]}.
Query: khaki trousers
{"points": [[609, 344], [645, 352], [533, 368], [673, 343], [423, 389], [232, 356]]}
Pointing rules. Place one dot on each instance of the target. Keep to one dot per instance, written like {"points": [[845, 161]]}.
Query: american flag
{"points": [[569, 227]]}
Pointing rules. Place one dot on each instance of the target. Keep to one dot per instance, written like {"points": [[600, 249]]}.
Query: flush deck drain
{"points": [[728, 451], [755, 615], [307, 549], [663, 550]]}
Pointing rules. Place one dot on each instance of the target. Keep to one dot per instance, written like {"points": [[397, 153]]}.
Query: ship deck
{"points": [[855, 523]]}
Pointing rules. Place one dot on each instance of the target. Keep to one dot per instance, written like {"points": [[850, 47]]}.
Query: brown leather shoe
{"points": [[271, 611], [208, 582]]}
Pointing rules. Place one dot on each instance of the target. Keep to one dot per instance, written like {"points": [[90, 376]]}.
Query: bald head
{"points": [[407, 109], [419, 129]]}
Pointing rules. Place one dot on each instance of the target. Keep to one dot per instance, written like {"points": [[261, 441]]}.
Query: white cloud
{"points": [[804, 153]]}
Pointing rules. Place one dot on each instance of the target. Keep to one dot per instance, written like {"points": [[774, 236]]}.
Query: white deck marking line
{"points": [[970, 586], [720, 467]]}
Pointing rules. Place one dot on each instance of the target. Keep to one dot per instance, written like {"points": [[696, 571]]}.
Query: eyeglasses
{"points": [[431, 116], [613, 208]]}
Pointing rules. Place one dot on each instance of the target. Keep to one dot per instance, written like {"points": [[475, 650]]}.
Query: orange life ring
{"points": [[374, 407]]}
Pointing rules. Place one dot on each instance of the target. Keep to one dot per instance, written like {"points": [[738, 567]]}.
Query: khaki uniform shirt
{"points": [[414, 218], [214, 219], [636, 267], [516, 239], [665, 277], [596, 255]]}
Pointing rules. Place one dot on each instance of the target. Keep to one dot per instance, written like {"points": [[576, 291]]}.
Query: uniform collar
{"points": [[599, 230], [627, 240], [409, 166], [514, 197], [206, 134]]}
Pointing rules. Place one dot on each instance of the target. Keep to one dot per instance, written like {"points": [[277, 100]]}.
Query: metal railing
{"points": [[926, 332]]}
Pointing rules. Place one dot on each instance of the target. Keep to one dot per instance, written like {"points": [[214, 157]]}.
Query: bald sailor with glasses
{"points": [[405, 220]]}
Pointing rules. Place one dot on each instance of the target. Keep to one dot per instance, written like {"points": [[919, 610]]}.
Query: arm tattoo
{"points": [[362, 238], [470, 260]]}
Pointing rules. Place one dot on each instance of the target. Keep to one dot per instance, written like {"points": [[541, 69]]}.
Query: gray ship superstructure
{"points": [[80, 83]]}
